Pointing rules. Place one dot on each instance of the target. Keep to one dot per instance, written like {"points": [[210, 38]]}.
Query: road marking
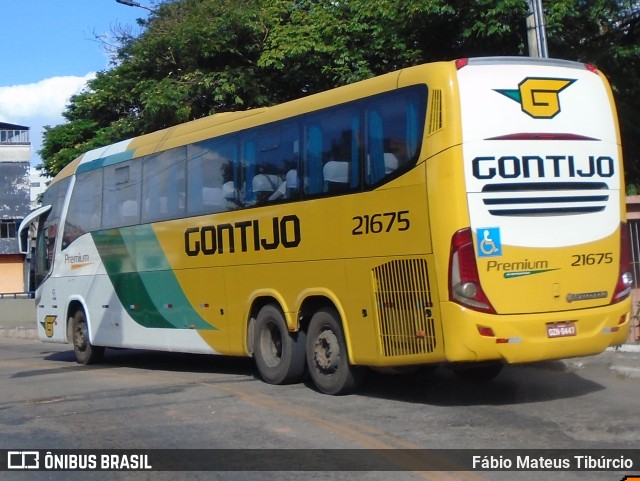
{"points": [[362, 434]]}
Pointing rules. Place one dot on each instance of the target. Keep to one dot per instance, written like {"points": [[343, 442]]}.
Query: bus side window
{"points": [[267, 178], [121, 191], [376, 154], [163, 185], [414, 127], [290, 160], [248, 171], [313, 169], [342, 155], [211, 176], [49, 228], [84, 213], [394, 125], [276, 166], [332, 153]]}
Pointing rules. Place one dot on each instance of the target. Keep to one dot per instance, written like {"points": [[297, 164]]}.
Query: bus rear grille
{"points": [[403, 303], [435, 112]]}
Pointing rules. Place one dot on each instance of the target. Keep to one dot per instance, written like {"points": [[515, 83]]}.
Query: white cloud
{"points": [[38, 104], [45, 99]]}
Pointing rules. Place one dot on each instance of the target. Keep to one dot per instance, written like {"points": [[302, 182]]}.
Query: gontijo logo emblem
{"points": [[538, 97], [49, 322]]}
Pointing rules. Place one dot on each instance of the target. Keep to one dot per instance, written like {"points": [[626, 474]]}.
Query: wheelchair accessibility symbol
{"points": [[489, 244]]}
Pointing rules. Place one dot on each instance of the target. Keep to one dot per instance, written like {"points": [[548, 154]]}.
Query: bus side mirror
{"points": [[23, 242]]}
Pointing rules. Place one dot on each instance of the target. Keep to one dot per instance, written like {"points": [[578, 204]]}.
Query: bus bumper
{"points": [[473, 336]]}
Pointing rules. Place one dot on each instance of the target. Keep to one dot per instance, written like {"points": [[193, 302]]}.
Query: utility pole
{"points": [[536, 30]]}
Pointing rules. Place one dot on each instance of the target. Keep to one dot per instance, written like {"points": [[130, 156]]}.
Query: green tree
{"points": [[605, 33], [198, 57], [194, 58]]}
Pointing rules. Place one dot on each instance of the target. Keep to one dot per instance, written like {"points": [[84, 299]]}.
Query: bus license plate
{"points": [[561, 329]]}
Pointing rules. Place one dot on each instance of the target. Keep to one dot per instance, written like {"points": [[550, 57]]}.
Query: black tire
{"points": [[86, 353], [479, 373], [279, 354], [327, 357]]}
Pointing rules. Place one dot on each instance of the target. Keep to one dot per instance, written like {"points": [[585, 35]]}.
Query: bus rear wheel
{"points": [[86, 353], [327, 357], [279, 354]]}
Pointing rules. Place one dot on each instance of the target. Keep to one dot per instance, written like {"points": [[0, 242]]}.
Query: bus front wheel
{"points": [[86, 353], [279, 354], [327, 357]]}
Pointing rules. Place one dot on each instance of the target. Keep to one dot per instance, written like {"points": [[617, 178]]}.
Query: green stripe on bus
{"points": [[143, 280]]}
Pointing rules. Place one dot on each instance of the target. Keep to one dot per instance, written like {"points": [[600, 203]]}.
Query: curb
{"points": [[625, 360], [626, 371], [19, 332], [625, 348]]}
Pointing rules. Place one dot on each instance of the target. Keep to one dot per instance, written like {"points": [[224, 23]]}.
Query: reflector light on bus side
{"points": [[464, 280], [461, 62], [591, 68]]}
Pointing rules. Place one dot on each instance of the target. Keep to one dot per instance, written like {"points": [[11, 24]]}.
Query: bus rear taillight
{"points": [[591, 68], [461, 63], [625, 278], [464, 281]]}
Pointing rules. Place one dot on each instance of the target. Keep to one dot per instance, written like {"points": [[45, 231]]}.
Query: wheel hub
{"points": [[327, 352], [271, 344], [80, 339]]}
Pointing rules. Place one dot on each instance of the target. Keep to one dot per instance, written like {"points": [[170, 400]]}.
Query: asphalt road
{"points": [[149, 400]]}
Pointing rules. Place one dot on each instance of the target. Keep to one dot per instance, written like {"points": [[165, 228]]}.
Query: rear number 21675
{"points": [[385, 222], [592, 259]]}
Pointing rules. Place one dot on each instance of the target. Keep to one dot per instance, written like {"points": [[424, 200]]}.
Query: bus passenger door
{"points": [[41, 255]]}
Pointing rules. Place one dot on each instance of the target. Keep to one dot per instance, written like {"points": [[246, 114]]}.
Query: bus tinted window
{"points": [[394, 126], [212, 176], [331, 161], [163, 185], [84, 213], [390, 125], [324, 152], [121, 204], [275, 174], [49, 228]]}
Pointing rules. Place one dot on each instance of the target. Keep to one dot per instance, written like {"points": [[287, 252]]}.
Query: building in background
{"points": [[38, 185], [15, 204]]}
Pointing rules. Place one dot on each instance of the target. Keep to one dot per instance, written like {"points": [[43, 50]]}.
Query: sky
{"points": [[49, 52]]}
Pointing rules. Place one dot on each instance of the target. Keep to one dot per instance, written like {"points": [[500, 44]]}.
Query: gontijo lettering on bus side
{"points": [[246, 235]]}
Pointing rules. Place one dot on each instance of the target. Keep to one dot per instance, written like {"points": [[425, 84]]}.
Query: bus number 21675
{"points": [[383, 222]]}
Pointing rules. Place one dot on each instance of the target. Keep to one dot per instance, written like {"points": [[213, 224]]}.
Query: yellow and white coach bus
{"points": [[466, 213]]}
